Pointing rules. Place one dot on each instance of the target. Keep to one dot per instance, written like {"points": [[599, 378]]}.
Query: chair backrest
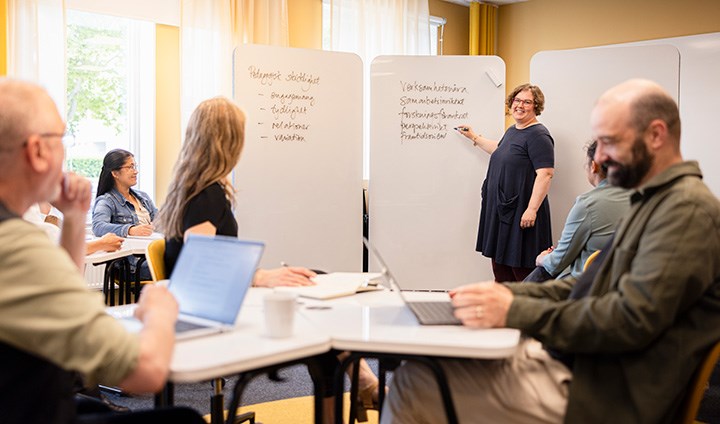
{"points": [[698, 385], [155, 256], [590, 259]]}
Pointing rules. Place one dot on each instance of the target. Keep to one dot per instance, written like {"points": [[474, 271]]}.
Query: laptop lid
{"points": [[212, 276]]}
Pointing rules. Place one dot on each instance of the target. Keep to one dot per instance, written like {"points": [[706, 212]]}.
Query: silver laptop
{"points": [[210, 280], [426, 312]]}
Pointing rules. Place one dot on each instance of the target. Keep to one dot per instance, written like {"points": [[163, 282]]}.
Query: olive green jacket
{"points": [[653, 310]]}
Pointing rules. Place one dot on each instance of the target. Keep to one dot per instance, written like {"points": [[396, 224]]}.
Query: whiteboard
{"points": [[299, 180], [425, 178], [699, 89], [572, 80]]}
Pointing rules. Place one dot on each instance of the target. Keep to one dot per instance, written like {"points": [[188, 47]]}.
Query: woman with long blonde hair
{"points": [[200, 197], [200, 200]]}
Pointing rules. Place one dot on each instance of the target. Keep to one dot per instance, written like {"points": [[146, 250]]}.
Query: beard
{"points": [[630, 175]]}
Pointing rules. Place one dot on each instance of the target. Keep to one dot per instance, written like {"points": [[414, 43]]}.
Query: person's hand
{"points": [[110, 242], [141, 230], [527, 220], [541, 256], [468, 132], [158, 301], [482, 305], [74, 198], [285, 276]]}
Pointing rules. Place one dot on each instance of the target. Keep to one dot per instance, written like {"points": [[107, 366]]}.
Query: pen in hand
{"points": [[461, 128]]}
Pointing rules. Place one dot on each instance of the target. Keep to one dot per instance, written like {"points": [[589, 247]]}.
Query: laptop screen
{"points": [[212, 276], [384, 270]]}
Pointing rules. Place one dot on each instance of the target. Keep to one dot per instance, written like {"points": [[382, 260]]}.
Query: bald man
{"points": [[51, 326], [622, 342]]}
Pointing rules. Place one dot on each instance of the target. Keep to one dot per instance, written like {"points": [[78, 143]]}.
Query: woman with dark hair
{"points": [[515, 214], [118, 208]]}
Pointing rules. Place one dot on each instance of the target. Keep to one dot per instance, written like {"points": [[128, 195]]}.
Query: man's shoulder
{"points": [[18, 230], [693, 190]]}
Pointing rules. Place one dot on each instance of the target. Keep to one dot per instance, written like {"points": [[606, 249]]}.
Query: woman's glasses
{"points": [[526, 102]]}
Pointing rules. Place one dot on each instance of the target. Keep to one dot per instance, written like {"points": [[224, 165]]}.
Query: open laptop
{"points": [[210, 280], [426, 312]]}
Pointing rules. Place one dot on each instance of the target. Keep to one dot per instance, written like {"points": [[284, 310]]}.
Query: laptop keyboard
{"points": [[182, 326], [434, 313]]}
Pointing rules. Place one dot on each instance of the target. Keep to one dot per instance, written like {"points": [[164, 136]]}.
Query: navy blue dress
{"points": [[505, 196]]}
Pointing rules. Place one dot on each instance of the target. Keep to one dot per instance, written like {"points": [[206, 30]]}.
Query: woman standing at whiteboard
{"points": [[515, 213]]}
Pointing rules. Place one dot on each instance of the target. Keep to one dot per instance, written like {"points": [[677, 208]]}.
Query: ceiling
{"points": [[497, 2]]}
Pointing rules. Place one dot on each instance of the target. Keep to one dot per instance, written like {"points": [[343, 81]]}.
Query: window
{"points": [[110, 93], [437, 29]]}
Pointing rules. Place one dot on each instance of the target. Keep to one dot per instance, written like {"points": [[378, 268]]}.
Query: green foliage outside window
{"points": [[87, 167], [95, 85]]}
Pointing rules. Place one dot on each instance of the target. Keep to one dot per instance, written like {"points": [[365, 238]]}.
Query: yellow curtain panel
{"points": [[3, 37], [483, 27]]}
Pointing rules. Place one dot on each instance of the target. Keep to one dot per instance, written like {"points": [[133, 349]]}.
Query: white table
{"points": [[132, 246], [378, 324], [369, 323], [246, 351]]}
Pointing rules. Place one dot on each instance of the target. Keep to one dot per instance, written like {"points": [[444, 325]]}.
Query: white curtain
{"points": [[378, 27], [372, 28], [210, 29], [36, 44]]}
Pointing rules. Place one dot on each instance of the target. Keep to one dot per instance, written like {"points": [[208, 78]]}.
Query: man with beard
{"points": [[622, 342]]}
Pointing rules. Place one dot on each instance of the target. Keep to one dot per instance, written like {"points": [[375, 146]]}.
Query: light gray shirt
{"points": [[589, 225]]}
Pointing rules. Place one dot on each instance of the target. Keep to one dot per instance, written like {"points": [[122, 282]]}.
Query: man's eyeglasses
{"points": [[523, 101], [66, 140]]}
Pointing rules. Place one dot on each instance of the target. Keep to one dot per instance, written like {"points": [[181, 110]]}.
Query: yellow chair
{"points": [[588, 261], [155, 255], [697, 387]]}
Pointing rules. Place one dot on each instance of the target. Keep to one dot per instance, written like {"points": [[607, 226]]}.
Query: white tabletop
{"points": [[246, 348], [380, 322], [131, 246], [368, 322]]}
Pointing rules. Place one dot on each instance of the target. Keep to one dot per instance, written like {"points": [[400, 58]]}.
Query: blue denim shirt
{"points": [[112, 213]]}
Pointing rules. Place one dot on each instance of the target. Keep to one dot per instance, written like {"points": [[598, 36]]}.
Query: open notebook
{"points": [[336, 284], [210, 280]]}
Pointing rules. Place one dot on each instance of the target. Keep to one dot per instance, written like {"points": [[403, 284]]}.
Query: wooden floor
{"points": [[297, 410]]}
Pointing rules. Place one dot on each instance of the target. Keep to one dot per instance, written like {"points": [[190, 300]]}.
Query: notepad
{"points": [[337, 284]]}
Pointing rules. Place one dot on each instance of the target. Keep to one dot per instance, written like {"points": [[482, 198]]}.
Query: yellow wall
{"points": [[3, 37], [167, 106], [537, 25], [305, 23], [457, 27]]}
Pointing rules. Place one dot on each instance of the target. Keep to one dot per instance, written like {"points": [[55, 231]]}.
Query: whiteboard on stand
{"points": [[425, 178], [299, 180], [572, 80]]}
